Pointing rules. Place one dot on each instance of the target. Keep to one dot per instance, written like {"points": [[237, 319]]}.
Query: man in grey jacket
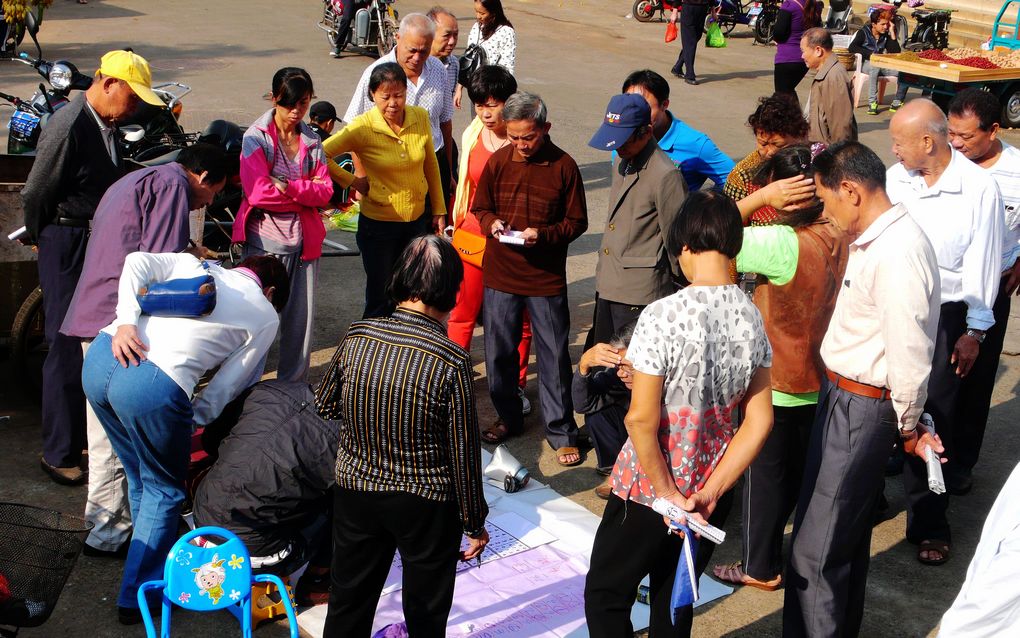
{"points": [[830, 109], [646, 195]]}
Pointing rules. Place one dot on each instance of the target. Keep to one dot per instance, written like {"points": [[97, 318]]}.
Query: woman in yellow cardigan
{"points": [[394, 143]]}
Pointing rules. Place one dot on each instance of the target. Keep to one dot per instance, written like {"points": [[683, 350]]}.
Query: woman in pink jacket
{"points": [[285, 180]]}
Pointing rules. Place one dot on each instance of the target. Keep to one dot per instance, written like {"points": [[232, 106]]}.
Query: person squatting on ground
{"points": [[409, 474], [140, 376], [285, 181], [700, 357], [800, 262], [76, 161], [532, 192], [490, 87], [145, 211], [877, 356], [393, 142], [957, 205]]}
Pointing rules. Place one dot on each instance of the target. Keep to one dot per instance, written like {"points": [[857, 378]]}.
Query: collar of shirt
{"points": [[826, 66], [418, 318], [950, 181], [885, 220], [669, 138], [106, 130], [541, 158], [380, 125]]}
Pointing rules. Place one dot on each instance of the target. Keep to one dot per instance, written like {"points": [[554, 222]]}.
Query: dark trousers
{"points": [[381, 244], [771, 486], [831, 548], [608, 434], [788, 75], [343, 29], [632, 543], [367, 528], [445, 171], [502, 315], [976, 388], [61, 257], [609, 319], [692, 27], [926, 511]]}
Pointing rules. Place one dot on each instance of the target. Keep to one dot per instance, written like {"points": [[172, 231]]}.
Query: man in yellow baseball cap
{"points": [[132, 69]]}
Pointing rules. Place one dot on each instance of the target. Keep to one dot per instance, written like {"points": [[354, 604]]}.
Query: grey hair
{"points": [[818, 37], [936, 124], [419, 23], [525, 106], [438, 10]]}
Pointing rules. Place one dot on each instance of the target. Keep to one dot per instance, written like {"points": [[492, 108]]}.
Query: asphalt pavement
{"points": [[576, 55]]}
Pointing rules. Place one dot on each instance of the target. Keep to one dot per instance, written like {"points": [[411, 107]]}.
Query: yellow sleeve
{"points": [[344, 141]]}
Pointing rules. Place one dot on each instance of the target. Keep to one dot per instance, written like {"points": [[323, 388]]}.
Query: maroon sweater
{"points": [[544, 192]]}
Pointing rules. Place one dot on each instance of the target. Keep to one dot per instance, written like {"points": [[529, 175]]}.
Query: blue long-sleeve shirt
{"points": [[697, 156]]}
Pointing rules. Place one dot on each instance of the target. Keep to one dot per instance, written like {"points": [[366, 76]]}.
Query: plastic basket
{"points": [[38, 550]]}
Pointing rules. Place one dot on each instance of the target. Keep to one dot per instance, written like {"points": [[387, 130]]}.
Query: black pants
{"points": [[976, 388], [444, 174], [61, 257], [343, 29], [788, 75], [367, 528], [926, 511], [632, 543], [771, 486], [609, 319], [692, 27], [608, 434], [381, 244]]}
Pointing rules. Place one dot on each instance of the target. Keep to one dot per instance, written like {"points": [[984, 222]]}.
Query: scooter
{"points": [[374, 25], [838, 16], [644, 10]]}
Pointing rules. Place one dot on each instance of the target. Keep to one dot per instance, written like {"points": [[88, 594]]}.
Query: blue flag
{"points": [[685, 585]]}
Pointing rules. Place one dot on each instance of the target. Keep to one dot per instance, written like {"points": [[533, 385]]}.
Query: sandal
{"points": [[930, 546], [564, 452], [733, 573], [496, 434]]}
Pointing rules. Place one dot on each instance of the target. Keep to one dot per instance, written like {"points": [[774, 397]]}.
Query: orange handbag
{"points": [[469, 246]]}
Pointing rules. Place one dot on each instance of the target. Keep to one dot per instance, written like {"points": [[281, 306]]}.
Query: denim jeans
{"points": [[873, 74], [148, 418]]}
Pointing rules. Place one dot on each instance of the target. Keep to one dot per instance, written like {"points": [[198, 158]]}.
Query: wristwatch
{"points": [[977, 335]]}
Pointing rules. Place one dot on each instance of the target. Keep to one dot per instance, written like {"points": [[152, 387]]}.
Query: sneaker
{"points": [[873, 108], [334, 54], [525, 404], [895, 105]]}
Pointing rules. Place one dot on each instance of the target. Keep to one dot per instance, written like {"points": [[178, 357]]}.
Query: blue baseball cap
{"points": [[625, 114]]}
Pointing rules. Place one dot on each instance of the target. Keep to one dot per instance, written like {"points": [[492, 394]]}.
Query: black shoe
{"points": [[64, 475], [128, 615], [94, 552], [677, 71], [691, 81], [312, 589]]}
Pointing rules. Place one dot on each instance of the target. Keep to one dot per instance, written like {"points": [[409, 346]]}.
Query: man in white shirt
{"points": [[973, 131], [140, 375], [958, 206], [428, 86], [877, 353]]}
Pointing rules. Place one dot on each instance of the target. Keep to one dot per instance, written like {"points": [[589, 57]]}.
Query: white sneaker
{"points": [[525, 404]]}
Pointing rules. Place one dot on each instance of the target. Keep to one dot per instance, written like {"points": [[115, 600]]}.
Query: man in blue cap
{"points": [[646, 194]]}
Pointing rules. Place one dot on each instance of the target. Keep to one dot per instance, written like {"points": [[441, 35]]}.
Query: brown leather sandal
{"points": [[733, 573]]}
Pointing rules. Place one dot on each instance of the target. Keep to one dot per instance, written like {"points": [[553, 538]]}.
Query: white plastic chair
{"points": [[860, 83]]}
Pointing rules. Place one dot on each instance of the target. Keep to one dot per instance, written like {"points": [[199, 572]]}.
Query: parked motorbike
{"points": [[645, 10], [374, 25], [765, 23], [838, 16], [734, 12], [931, 29]]}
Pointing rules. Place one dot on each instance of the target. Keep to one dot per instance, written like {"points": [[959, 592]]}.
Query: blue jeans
{"points": [[148, 418], [873, 74]]}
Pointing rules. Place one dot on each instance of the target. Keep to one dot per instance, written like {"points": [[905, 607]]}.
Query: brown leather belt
{"points": [[860, 389]]}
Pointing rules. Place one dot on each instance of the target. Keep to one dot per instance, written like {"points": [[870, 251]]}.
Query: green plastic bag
{"points": [[715, 37], [347, 219]]}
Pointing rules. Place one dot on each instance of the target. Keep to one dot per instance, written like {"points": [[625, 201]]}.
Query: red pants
{"points": [[465, 314]]}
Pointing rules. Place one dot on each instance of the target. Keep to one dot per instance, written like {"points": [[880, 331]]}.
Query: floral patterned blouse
{"points": [[500, 47], [706, 342]]}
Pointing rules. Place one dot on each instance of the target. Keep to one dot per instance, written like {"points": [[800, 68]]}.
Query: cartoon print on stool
{"points": [[209, 578]]}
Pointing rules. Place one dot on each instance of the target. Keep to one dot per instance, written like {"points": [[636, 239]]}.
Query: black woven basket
{"points": [[38, 549]]}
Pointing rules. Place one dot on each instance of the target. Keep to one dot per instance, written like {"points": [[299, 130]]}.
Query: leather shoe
{"points": [[64, 475], [693, 82], [604, 491], [94, 552]]}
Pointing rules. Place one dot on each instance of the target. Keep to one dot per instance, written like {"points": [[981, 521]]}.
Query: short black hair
{"points": [[981, 104], [650, 81], [491, 81], [271, 272], [707, 221], [779, 114], [292, 84], [430, 271], [386, 72], [851, 161], [202, 157]]}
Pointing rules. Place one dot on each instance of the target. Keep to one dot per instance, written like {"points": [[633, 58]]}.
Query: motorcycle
{"points": [[374, 24], [644, 10], [734, 12], [765, 24], [838, 16], [13, 33]]}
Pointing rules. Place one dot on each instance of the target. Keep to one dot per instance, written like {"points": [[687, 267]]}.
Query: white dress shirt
{"points": [[882, 331], [235, 336], [1006, 172], [962, 216], [431, 92], [988, 605]]}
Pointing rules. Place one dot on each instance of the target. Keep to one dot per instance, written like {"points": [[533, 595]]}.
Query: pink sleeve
{"points": [[314, 191], [258, 188]]}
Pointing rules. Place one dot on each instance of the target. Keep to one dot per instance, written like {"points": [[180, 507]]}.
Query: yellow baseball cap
{"points": [[133, 69]]}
